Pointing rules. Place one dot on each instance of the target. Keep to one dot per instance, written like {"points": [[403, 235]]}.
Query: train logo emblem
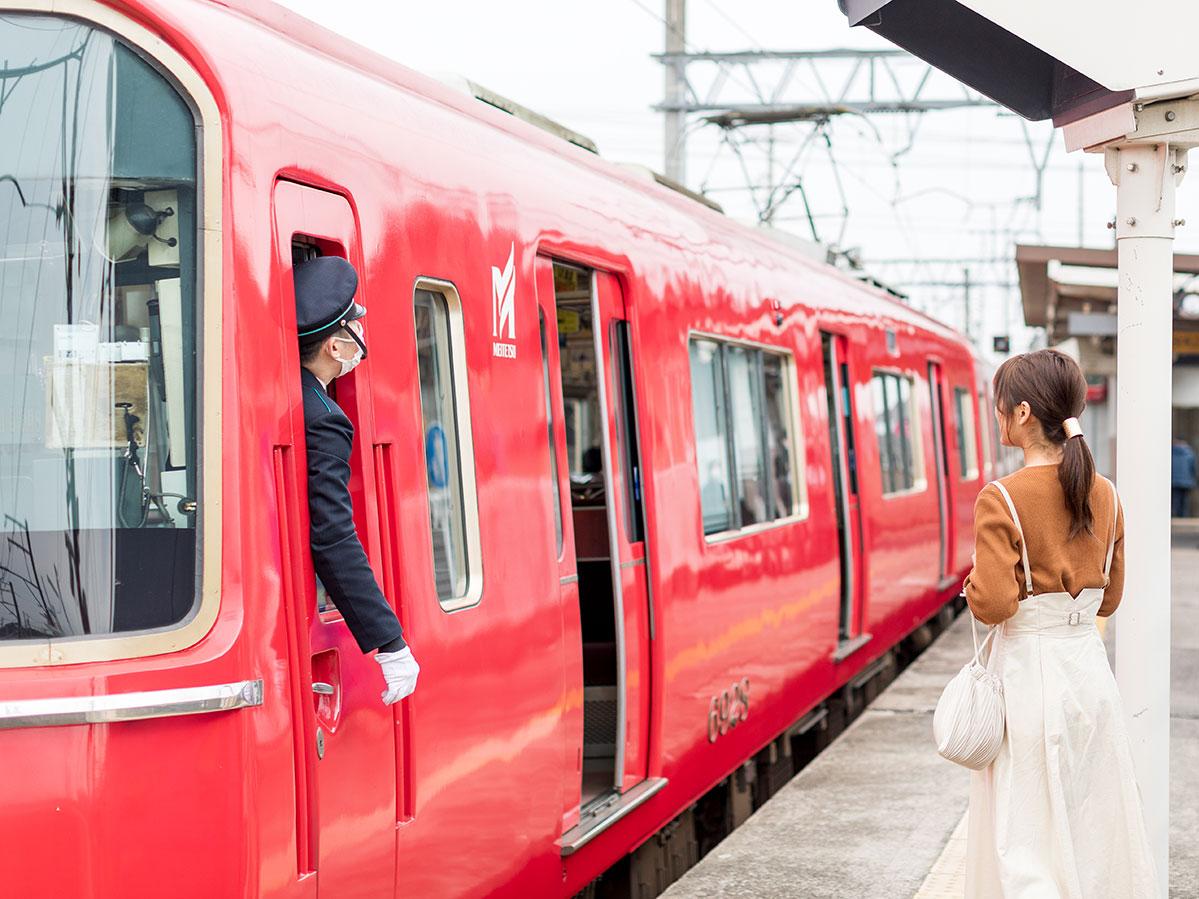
{"points": [[503, 308]]}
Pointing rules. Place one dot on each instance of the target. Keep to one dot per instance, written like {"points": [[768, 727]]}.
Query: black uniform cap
{"points": [[325, 288]]}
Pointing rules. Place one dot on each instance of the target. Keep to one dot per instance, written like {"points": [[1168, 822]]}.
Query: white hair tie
{"points": [[1072, 428]]}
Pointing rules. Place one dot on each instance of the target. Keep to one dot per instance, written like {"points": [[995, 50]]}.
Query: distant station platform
{"points": [[879, 814]]}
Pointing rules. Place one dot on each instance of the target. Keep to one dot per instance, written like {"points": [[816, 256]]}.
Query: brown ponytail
{"points": [[1054, 387]]}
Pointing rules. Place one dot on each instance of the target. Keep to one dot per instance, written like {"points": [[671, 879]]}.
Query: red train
{"points": [[647, 487]]}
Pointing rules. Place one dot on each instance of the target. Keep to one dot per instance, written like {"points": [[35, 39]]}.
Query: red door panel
{"points": [[568, 577], [628, 552], [347, 743]]}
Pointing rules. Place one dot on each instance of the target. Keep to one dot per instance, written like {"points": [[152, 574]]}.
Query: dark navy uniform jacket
{"points": [[337, 553]]}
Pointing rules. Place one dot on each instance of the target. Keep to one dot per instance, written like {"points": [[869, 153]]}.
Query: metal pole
{"points": [[675, 135], [966, 303], [1144, 175], [1081, 208]]}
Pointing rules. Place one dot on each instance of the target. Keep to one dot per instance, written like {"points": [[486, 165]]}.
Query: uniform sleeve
{"points": [[337, 553], [1114, 591], [994, 585]]}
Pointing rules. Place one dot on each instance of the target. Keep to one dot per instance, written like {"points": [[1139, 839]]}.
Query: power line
{"points": [[720, 12], [691, 48]]}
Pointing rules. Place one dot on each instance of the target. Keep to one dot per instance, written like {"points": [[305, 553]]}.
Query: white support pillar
{"points": [[1145, 176]]}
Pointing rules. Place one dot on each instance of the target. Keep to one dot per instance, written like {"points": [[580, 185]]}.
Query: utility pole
{"points": [[675, 136], [969, 329]]}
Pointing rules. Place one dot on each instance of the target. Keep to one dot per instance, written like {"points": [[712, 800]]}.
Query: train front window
{"points": [[98, 461]]}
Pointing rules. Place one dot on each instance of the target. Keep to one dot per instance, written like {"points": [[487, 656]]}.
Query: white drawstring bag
{"points": [[968, 723]]}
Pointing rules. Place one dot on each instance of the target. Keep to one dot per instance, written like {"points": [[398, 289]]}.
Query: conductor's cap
{"points": [[325, 288]]}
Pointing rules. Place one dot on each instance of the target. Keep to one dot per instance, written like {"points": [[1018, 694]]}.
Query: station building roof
{"points": [[1057, 283]]}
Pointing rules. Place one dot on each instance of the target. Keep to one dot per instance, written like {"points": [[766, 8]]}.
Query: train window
{"points": [[447, 449], [786, 500], [749, 448], [745, 432], [580, 391], [1002, 454], [98, 288], [711, 436], [626, 424], [908, 433], [883, 432], [988, 449], [963, 415], [549, 418], [899, 449]]}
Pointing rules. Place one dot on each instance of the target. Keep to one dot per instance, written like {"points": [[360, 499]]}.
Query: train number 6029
{"points": [[727, 709]]}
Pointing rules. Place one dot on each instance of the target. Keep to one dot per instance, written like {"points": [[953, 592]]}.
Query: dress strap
{"points": [[1111, 544], [1023, 543]]}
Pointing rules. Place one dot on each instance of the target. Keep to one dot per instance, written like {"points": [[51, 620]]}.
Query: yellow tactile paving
{"points": [[947, 879]]}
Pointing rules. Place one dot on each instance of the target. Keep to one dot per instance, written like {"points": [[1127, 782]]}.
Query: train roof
{"points": [[317, 38]]}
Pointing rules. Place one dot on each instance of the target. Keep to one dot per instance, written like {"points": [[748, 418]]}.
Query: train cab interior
{"points": [[589, 514], [99, 280]]}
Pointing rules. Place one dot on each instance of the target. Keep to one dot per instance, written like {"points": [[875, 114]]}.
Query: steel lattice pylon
{"points": [[743, 92]]}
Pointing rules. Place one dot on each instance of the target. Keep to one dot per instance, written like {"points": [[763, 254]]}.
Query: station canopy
{"points": [[1048, 59]]}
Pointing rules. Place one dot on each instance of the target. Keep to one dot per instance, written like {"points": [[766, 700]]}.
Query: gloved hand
{"points": [[400, 671]]}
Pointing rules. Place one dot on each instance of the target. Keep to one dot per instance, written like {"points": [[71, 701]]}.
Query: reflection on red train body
{"points": [[620, 464]]}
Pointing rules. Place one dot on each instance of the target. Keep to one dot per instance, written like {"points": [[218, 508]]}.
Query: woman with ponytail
{"points": [[1058, 813]]}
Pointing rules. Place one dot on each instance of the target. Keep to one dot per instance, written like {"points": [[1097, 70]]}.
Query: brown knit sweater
{"points": [[996, 583]]}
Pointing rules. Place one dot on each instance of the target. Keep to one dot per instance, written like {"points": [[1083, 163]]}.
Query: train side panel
{"points": [[440, 200]]}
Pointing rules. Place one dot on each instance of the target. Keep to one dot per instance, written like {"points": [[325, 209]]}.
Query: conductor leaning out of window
{"points": [[331, 345]]}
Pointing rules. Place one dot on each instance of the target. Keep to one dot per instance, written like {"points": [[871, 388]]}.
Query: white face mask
{"points": [[348, 365]]}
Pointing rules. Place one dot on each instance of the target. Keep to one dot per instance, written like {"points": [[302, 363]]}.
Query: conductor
{"points": [[332, 345]]}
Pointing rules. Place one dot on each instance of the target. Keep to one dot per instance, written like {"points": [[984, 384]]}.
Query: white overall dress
{"points": [[1057, 815]]}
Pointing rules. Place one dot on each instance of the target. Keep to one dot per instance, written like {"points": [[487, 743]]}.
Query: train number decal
{"points": [[728, 709]]}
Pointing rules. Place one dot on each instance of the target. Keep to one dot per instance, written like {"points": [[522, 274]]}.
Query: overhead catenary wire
{"points": [[691, 48], [827, 187]]}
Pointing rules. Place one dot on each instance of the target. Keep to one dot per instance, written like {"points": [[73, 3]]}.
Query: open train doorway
{"points": [[588, 321]]}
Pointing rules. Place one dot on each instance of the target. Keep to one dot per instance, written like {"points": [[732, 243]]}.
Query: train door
{"points": [[599, 443], [626, 525], [938, 396], [344, 737], [843, 443], [553, 353]]}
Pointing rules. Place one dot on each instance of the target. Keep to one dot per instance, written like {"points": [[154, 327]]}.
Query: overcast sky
{"points": [[962, 192]]}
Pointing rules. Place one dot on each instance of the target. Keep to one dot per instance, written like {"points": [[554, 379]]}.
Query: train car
{"points": [[648, 489]]}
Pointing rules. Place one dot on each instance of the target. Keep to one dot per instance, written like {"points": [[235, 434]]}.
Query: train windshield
{"points": [[98, 462]]}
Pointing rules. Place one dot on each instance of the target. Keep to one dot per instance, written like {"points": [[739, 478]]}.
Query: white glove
{"points": [[400, 671]]}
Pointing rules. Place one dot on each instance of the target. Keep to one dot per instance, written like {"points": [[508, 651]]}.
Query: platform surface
{"points": [[879, 814]]}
